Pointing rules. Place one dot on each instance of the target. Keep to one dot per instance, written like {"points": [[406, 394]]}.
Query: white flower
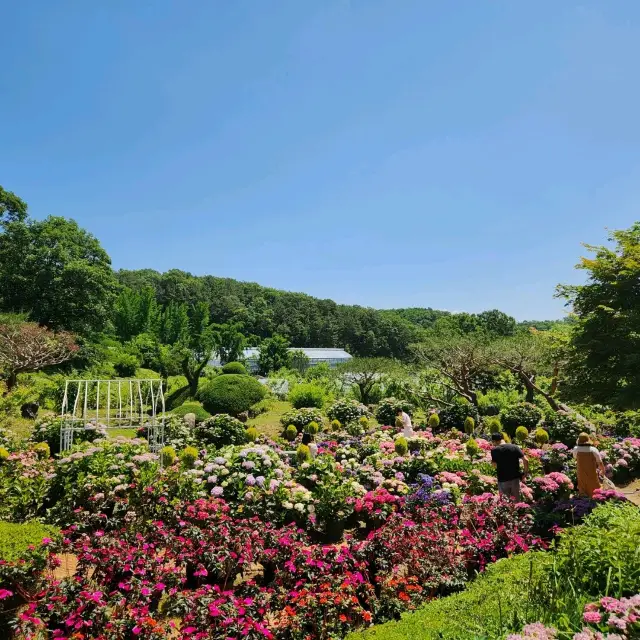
{"points": [[287, 505], [298, 507]]}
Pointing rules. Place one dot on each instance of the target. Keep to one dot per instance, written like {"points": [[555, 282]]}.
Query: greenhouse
{"points": [[333, 357]]}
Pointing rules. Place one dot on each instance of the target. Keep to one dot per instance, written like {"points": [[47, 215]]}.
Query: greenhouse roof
{"points": [[320, 353]]}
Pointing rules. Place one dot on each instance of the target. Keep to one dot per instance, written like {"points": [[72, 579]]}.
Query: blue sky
{"points": [[378, 152]]}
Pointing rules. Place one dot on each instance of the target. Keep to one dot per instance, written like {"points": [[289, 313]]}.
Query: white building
{"points": [[332, 357]]}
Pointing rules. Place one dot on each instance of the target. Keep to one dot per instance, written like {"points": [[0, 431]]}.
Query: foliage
{"points": [[12, 207], [192, 407], [433, 422], [48, 430], [303, 453], [251, 434], [366, 374], [469, 425], [291, 432], [168, 456], [58, 272], [300, 418], [188, 457], [221, 430], [274, 355], [388, 408], [493, 425], [541, 436], [230, 343], [523, 414], [234, 367], [307, 394], [126, 365], [490, 606], [347, 411], [566, 427], [521, 434], [603, 365], [401, 446], [231, 394], [27, 346], [455, 415], [597, 564]]}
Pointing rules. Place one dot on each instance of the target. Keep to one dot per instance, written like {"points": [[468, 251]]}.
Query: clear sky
{"points": [[379, 152]]}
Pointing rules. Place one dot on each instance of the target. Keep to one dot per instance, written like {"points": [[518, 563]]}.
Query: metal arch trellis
{"points": [[127, 404]]}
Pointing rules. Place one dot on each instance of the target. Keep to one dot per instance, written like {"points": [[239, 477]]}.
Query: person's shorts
{"points": [[510, 488]]}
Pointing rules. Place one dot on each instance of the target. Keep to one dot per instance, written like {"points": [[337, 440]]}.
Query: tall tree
{"points": [[273, 354], [27, 346], [230, 342], [459, 359], [366, 373], [12, 208], [58, 273], [604, 362]]}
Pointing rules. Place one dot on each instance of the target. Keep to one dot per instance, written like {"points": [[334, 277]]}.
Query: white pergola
{"points": [[113, 404]]}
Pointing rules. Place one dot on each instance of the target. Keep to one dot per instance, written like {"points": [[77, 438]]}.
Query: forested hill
{"points": [[304, 320]]}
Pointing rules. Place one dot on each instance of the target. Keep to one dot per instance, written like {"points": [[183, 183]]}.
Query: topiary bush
{"points": [[388, 408], [469, 425], [230, 394], [434, 422], [522, 414], [453, 417], [291, 432], [192, 407], [168, 456], [188, 456], [566, 427], [126, 365], [493, 425], [401, 446], [313, 428], [336, 425], [472, 447], [521, 434], [307, 394], [221, 430], [363, 421], [42, 449], [234, 368], [252, 434], [300, 418], [347, 411], [303, 454], [540, 436]]}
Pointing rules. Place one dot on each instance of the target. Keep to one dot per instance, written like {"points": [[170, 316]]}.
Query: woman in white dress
{"points": [[407, 427]]}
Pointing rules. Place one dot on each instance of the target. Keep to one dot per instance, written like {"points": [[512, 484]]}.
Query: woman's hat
{"points": [[584, 438]]}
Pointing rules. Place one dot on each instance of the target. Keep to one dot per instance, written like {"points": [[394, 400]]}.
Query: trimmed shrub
{"points": [[493, 425], [192, 407], [472, 447], [300, 418], [566, 427], [307, 394], [541, 436], [523, 414], [291, 432], [364, 422], [251, 434], [4, 454], [454, 417], [303, 454], [221, 430], [234, 368], [313, 428], [231, 394], [388, 409], [347, 411], [188, 456], [469, 425], [401, 446], [336, 425], [434, 421], [168, 456], [506, 437], [521, 434]]}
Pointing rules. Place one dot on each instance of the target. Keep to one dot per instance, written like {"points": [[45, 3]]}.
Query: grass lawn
{"points": [[269, 423]]}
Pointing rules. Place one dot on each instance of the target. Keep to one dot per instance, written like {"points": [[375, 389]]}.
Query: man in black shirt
{"points": [[506, 459]]}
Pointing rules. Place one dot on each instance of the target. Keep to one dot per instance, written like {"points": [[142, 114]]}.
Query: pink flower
{"points": [[592, 617], [46, 541], [5, 593]]}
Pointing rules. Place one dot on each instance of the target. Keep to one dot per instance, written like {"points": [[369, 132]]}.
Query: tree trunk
{"points": [[532, 388], [554, 380], [12, 381]]}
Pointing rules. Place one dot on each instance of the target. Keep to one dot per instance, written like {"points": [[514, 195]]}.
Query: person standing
{"points": [[506, 459], [407, 427], [590, 466]]}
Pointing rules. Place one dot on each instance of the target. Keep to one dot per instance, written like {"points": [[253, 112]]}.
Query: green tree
{"points": [[12, 208], [136, 312], [230, 342], [58, 273], [273, 354], [459, 359], [366, 373], [604, 357]]}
